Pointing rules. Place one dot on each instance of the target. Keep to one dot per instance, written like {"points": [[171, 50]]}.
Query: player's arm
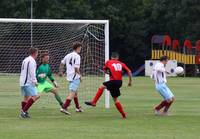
{"points": [[32, 72], [77, 66], [129, 74], [77, 71], [105, 68], [61, 67], [51, 78], [37, 73]]}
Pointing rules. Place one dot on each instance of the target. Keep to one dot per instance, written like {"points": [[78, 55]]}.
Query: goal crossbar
{"points": [[54, 21]]}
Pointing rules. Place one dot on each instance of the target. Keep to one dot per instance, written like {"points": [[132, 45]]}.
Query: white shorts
{"points": [[29, 90], [164, 91], [73, 85]]}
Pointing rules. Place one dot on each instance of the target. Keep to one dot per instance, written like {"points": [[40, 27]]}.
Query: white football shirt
{"points": [[28, 72], [72, 61], [159, 73]]}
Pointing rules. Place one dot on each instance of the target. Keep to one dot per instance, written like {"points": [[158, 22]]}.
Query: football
{"points": [[179, 70]]}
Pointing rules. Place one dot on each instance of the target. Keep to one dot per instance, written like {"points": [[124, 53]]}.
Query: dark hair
{"points": [[44, 54], [164, 58], [76, 45], [32, 50], [115, 55]]}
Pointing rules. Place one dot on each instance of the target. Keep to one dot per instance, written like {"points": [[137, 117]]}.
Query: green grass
{"points": [[99, 123]]}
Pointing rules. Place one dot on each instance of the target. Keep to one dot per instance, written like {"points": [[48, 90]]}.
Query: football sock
{"points": [[23, 103], [168, 104], [120, 109], [67, 103], [28, 105], [58, 99], [97, 96], [76, 102], [161, 105]]}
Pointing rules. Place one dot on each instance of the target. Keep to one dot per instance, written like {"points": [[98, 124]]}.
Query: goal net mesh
{"points": [[57, 39]]}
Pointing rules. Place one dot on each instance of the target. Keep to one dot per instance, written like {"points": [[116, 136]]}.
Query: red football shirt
{"points": [[115, 68]]}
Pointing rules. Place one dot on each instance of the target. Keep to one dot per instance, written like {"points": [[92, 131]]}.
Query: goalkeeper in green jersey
{"points": [[44, 71]]}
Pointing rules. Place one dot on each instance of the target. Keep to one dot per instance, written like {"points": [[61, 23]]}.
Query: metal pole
{"points": [[107, 94], [184, 53], [31, 23]]}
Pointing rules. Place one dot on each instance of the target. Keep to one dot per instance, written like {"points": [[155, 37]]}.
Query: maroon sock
{"points": [[168, 104], [23, 104], [120, 109], [76, 102], [161, 105], [28, 105], [97, 96], [67, 103]]}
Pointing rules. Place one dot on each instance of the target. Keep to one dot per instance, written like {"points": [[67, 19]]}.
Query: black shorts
{"points": [[114, 87]]}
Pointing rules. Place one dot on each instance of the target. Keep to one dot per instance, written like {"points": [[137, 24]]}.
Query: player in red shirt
{"points": [[114, 68]]}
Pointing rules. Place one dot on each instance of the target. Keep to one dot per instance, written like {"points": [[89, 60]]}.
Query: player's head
{"points": [[33, 52], [45, 58], [115, 55], [164, 59], [77, 47]]}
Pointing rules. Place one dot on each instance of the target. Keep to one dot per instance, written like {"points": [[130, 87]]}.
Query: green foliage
{"points": [[132, 22]]}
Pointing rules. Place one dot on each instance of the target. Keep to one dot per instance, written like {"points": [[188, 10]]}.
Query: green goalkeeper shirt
{"points": [[44, 71]]}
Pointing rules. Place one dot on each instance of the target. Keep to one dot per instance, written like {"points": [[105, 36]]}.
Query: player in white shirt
{"points": [[159, 75], [28, 82], [72, 62]]}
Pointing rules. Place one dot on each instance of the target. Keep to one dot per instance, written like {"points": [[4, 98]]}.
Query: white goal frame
{"points": [[106, 32]]}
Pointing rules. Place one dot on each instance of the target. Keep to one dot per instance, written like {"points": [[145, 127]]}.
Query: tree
{"points": [[132, 22]]}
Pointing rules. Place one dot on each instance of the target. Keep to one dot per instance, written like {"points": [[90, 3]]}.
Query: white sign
{"points": [[170, 67]]}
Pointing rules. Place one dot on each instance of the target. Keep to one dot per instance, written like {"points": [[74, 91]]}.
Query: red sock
{"points": [[28, 105], [168, 104], [97, 96], [67, 103], [120, 109], [23, 104], [161, 105], [76, 102]]}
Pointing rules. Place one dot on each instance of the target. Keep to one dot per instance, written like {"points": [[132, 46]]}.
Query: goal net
{"points": [[56, 37]]}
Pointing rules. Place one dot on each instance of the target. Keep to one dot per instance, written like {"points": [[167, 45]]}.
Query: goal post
{"points": [[56, 36], [107, 95]]}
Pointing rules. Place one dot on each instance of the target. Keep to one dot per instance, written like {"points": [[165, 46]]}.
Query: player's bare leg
{"points": [[57, 96], [119, 107], [96, 97], [167, 106], [78, 107], [67, 103]]}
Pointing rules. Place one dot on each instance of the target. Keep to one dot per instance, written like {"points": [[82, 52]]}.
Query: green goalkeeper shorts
{"points": [[44, 87]]}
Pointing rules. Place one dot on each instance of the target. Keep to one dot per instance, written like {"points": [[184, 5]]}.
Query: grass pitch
{"points": [[99, 123]]}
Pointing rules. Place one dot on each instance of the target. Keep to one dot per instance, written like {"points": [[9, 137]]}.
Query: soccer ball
{"points": [[179, 70]]}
